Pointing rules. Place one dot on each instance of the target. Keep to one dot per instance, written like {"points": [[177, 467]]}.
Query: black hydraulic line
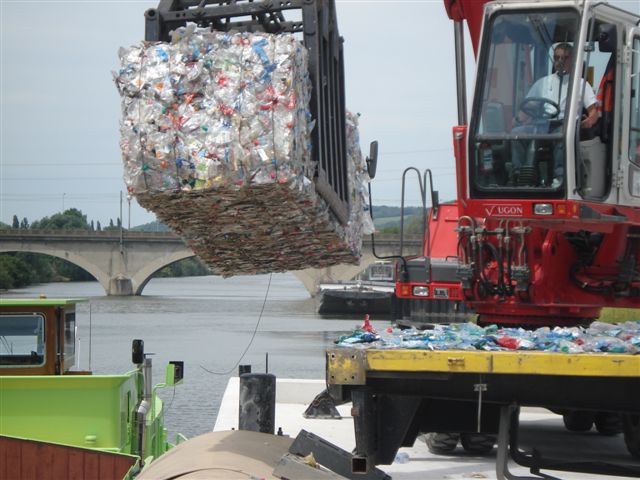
{"points": [[474, 257], [435, 201], [481, 275], [508, 254], [434, 209], [500, 287], [402, 197], [492, 289], [426, 239], [373, 241], [599, 289], [536, 462]]}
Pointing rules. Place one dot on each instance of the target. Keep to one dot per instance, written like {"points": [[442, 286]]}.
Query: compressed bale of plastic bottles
{"points": [[215, 140]]}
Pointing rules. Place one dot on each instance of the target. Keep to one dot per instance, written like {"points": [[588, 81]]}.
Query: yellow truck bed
{"points": [[598, 381], [398, 393], [350, 366]]}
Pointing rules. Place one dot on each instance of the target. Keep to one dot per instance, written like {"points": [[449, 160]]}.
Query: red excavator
{"points": [[546, 226]]}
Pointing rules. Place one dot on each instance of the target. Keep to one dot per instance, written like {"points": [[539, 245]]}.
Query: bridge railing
{"points": [[76, 232], [16, 232], [386, 243]]}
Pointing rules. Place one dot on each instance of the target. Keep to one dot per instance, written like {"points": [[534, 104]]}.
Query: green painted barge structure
{"points": [[60, 422]]}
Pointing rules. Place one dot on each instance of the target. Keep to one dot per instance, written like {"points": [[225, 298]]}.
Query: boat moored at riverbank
{"points": [[372, 292]]}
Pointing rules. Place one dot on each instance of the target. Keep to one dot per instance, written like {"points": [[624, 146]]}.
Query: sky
{"points": [[60, 110]]}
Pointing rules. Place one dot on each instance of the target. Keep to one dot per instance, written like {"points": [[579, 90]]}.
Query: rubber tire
{"points": [[441, 443], [631, 426], [608, 423], [578, 420], [478, 443]]}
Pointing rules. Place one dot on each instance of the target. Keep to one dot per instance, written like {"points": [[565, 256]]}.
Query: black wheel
{"points": [[440, 443], [478, 443], [578, 421], [608, 423], [631, 426]]}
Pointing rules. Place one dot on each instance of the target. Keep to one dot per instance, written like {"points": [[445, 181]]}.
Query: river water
{"points": [[207, 322]]}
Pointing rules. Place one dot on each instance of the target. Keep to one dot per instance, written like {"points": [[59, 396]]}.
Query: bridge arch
{"points": [[78, 260], [123, 263], [311, 278], [138, 281], [142, 277]]}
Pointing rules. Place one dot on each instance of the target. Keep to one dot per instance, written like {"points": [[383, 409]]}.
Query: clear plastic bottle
{"points": [[402, 457]]}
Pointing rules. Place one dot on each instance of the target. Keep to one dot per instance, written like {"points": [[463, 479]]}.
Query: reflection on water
{"points": [[207, 322]]}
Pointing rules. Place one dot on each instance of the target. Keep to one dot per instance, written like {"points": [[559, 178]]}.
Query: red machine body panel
{"points": [[440, 249]]}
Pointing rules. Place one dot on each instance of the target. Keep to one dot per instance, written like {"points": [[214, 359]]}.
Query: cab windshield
{"points": [[517, 147]]}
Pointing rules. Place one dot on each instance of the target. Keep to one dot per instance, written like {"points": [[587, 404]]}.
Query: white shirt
{"points": [[554, 87]]}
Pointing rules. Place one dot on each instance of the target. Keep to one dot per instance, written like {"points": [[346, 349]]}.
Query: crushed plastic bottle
{"points": [[358, 336], [366, 326], [391, 336]]}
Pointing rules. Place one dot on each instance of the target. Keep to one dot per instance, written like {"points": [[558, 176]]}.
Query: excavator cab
{"points": [[519, 146], [540, 69]]}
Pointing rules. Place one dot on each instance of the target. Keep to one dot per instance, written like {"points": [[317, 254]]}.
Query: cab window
{"points": [[634, 123], [22, 340], [517, 146], [594, 147]]}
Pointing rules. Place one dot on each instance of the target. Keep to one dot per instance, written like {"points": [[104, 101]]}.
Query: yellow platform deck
{"points": [[350, 366]]}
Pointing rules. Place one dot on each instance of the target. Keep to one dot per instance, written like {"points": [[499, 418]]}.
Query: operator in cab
{"points": [[547, 100]]}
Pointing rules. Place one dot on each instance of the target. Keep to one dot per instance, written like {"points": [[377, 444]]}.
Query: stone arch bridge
{"points": [[124, 261]]}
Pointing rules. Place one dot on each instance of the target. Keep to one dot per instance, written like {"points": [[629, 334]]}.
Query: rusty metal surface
{"points": [[346, 366]]}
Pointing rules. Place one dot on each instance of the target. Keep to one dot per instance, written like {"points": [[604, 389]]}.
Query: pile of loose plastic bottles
{"points": [[598, 337]]}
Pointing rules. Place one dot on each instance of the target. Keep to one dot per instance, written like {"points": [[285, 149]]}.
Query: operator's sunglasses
{"points": [[561, 57]]}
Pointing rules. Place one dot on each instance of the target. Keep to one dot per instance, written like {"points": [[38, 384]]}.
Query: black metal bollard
{"points": [[257, 409]]}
